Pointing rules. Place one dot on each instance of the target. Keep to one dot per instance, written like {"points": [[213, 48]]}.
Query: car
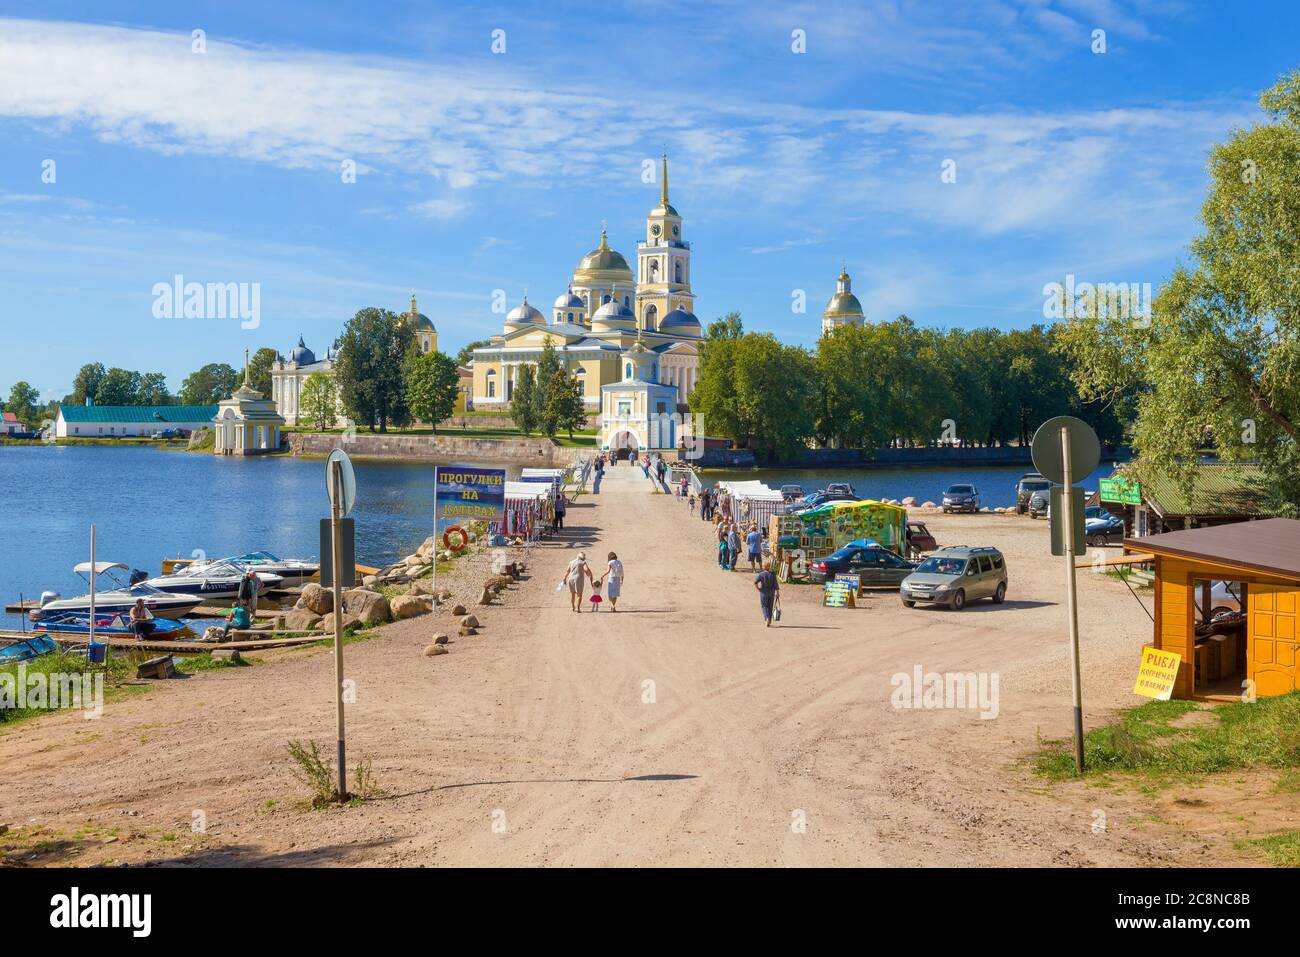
{"points": [[1095, 511], [792, 493], [956, 576], [1224, 597], [818, 499], [876, 566], [840, 488], [961, 498], [1028, 484], [1103, 531], [1040, 503], [919, 539]]}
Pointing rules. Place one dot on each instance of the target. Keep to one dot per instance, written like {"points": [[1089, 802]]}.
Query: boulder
{"points": [[316, 599], [459, 610], [441, 638], [413, 561], [370, 581], [368, 607], [327, 623], [227, 654], [909, 501], [486, 597], [466, 630], [469, 621], [423, 586], [435, 649], [303, 619], [410, 606], [928, 504]]}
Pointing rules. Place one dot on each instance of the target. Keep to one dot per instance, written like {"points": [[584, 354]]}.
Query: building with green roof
{"points": [[106, 421]]}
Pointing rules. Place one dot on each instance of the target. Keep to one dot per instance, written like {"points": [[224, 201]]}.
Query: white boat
{"points": [[118, 600], [292, 570], [217, 579]]}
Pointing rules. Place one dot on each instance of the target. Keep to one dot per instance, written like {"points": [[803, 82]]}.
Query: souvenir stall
{"points": [[804, 538], [752, 503], [530, 507]]}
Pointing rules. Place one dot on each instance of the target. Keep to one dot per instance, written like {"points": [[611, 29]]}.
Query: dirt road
{"points": [[677, 731]]}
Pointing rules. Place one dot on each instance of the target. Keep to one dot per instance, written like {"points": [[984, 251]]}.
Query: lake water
{"points": [[149, 504], [996, 484]]}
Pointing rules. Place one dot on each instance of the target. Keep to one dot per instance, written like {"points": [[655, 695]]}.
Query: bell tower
{"points": [[663, 262]]}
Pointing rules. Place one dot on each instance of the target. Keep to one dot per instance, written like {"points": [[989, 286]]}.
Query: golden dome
{"points": [[603, 263], [843, 305]]}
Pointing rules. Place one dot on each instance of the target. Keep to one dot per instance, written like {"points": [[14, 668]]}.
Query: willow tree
{"points": [[1216, 364]]}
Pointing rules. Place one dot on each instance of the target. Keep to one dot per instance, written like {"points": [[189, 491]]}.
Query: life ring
{"points": [[462, 539]]}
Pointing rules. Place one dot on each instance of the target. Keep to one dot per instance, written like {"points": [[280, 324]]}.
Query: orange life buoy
{"points": [[462, 539]]}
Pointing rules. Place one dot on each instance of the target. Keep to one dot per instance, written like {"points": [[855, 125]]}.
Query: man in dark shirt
{"points": [[769, 593]]}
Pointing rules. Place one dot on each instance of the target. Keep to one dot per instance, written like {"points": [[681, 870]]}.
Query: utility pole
{"points": [[336, 515]]}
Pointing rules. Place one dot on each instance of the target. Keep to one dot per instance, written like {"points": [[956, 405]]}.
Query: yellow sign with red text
{"points": [[1157, 673]]}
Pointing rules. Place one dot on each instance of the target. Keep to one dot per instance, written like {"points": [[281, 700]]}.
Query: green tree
{"points": [[373, 354], [466, 354], [548, 364], [523, 403], [564, 403], [209, 385], [259, 370], [318, 402], [153, 389], [431, 387], [118, 387], [1217, 364], [85, 384], [23, 402]]}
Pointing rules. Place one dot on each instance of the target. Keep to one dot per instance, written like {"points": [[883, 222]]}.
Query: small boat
{"points": [[293, 571], [27, 649], [78, 623], [118, 600], [216, 579]]}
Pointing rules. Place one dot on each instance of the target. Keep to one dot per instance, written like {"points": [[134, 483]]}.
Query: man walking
{"points": [[754, 543], [769, 594]]}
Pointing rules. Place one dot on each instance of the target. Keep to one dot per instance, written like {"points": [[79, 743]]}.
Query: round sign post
{"points": [[341, 484], [1064, 449]]}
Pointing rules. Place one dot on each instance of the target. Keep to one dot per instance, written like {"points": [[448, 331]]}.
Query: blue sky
{"points": [[480, 171]]}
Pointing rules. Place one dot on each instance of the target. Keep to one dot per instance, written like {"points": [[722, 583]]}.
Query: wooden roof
{"points": [[1270, 547]]}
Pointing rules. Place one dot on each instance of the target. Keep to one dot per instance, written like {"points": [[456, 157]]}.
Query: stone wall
{"points": [[502, 421], [540, 452]]}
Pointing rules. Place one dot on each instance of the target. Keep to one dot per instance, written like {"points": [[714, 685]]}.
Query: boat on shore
{"points": [[216, 579], [78, 623], [119, 600], [292, 571], [27, 649]]}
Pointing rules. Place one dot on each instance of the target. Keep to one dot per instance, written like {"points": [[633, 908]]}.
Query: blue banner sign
{"points": [[468, 493]]}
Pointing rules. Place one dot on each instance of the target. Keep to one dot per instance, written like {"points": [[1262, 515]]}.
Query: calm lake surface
{"points": [[149, 504]]}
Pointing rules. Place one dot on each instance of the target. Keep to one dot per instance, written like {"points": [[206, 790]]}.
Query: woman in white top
{"points": [[573, 576], [613, 580]]}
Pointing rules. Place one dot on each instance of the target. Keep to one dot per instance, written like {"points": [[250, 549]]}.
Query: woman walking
{"points": [[573, 578], [613, 580], [561, 506]]}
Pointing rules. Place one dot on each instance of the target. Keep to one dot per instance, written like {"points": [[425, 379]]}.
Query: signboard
{"points": [[853, 581], [1057, 521], [347, 549], [1085, 449], [468, 493], [1157, 673], [838, 594], [347, 493], [1120, 489]]}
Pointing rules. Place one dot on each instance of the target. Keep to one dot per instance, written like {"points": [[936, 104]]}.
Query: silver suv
{"points": [[955, 576]]}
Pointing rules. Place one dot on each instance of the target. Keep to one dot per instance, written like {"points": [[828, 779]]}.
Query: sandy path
{"points": [[677, 731]]}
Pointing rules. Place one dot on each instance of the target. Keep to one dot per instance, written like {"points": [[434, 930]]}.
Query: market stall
{"points": [[808, 536], [530, 508], [751, 502]]}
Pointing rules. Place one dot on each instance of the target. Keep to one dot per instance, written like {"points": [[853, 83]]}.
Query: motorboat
{"points": [[120, 599], [293, 571], [215, 579], [27, 649], [78, 623]]}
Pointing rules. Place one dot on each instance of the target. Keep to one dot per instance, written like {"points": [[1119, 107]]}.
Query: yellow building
{"points": [[596, 321]]}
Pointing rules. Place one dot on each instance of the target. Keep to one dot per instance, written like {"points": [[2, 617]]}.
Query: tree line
{"points": [[886, 384]]}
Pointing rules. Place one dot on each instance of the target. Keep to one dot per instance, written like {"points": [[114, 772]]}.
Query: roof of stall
{"points": [[527, 490], [1271, 546], [752, 489]]}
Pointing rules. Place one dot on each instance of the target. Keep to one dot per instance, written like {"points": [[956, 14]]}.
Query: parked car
{"points": [[1040, 503], [1095, 511], [1103, 531], [961, 498], [792, 493], [818, 499], [1029, 483], [919, 539], [166, 434], [1224, 597], [955, 576], [875, 565], [841, 488]]}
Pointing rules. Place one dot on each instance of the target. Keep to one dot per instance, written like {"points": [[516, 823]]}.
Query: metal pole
{"points": [[336, 545], [436, 552], [1071, 598], [92, 596]]}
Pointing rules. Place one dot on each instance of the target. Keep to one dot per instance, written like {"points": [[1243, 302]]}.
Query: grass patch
{"points": [[1262, 733], [208, 663], [351, 635], [57, 668], [1283, 849]]}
